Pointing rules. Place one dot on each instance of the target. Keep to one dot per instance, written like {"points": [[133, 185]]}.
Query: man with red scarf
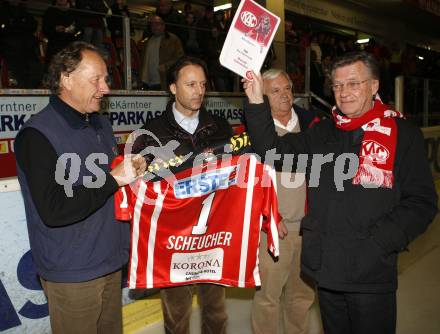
{"points": [[356, 223]]}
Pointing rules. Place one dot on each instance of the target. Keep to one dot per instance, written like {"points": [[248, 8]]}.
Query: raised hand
{"points": [[254, 88]]}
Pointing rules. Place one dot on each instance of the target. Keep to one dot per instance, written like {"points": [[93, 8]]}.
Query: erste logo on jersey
{"points": [[205, 183], [374, 151], [248, 19]]}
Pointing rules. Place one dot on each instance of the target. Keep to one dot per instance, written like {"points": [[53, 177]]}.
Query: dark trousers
{"points": [[92, 307], [357, 313], [177, 307]]}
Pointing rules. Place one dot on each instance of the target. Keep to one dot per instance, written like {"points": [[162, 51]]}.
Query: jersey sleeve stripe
{"points": [[273, 224], [152, 235], [247, 221], [135, 234], [256, 272]]}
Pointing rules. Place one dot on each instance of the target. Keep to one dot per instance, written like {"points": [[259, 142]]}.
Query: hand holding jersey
{"points": [[162, 161], [128, 170]]}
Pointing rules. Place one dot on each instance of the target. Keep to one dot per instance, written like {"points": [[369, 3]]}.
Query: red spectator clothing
{"points": [[202, 225]]}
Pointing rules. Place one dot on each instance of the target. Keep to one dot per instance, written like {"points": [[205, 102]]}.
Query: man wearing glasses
{"points": [[370, 193]]}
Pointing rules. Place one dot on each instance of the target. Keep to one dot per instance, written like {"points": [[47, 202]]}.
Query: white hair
{"points": [[273, 73]]}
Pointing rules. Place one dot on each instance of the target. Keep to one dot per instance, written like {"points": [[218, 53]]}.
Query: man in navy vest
{"points": [[63, 157]]}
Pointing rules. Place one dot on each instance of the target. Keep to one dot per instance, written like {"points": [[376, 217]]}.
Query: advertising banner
{"points": [[126, 114]]}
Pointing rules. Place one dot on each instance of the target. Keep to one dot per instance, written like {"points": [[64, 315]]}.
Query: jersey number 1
{"points": [[202, 223]]}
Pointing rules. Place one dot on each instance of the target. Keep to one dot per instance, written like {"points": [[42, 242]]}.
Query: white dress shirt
{"points": [[290, 124], [189, 124]]}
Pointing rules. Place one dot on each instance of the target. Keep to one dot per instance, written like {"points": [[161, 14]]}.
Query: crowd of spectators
{"points": [[28, 42], [19, 44], [26, 46], [201, 34], [395, 59]]}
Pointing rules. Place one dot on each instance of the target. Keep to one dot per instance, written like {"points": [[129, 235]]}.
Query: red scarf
{"points": [[376, 159]]}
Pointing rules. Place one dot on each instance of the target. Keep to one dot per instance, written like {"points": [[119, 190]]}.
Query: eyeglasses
{"points": [[350, 85]]}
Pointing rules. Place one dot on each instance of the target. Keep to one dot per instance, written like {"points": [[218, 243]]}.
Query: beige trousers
{"points": [[284, 298], [92, 307]]}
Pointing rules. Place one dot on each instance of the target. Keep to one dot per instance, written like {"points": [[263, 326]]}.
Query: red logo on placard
{"points": [[255, 23], [248, 19]]}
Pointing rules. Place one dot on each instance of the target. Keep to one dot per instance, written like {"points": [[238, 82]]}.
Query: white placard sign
{"points": [[249, 38]]}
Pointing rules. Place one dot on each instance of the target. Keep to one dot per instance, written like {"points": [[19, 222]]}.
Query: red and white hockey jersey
{"points": [[201, 225]]}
